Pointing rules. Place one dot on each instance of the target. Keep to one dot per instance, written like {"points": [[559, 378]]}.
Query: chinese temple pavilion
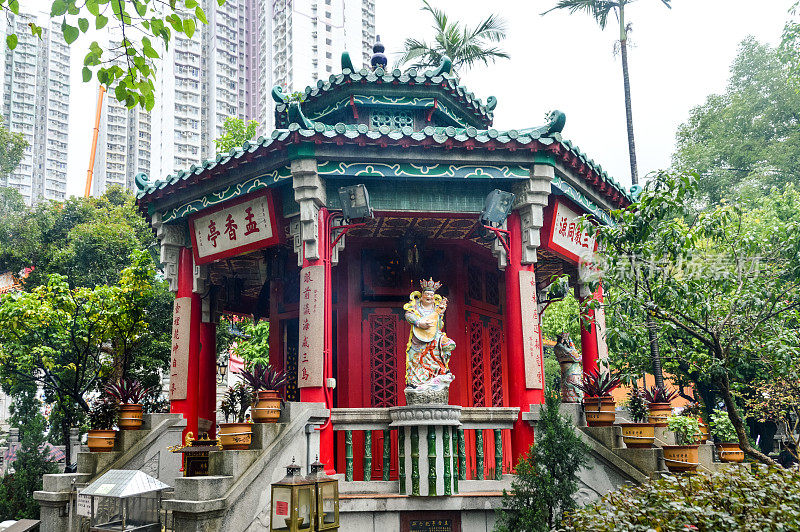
{"points": [[260, 232]]}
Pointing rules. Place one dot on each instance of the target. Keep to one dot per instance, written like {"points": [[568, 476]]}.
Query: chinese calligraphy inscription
{"points": [[531, 335], [236, 226], [179, 360], [567, 235], [312, 326]]}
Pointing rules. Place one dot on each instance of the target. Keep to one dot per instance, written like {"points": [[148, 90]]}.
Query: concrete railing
{"points": [[478, 442]]}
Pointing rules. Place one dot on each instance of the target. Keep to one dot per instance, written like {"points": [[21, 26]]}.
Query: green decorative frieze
{"points": [[446, 448], [414, 461], [387, 452], [348, 455], [462, 456], [401, 462], [456, 470], [367, 455], [498, 454], [405, 170], [229, 193], [573, 194], [479, 454], [431, 461]]}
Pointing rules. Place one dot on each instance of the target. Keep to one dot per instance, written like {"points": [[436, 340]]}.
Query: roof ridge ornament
{"points": [[378, 57], [491, 103], [347, 63], [445, 67], [296, 116], [141, 180], [278, 95]]}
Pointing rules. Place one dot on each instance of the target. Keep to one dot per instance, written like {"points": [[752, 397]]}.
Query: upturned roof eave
{"points": [[568, 156]]}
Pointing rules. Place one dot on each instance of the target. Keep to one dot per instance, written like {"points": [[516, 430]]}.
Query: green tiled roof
{"points": [[481, 113], [430, 136]]}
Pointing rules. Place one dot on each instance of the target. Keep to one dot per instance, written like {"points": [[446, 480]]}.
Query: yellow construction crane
{"points": [[95, 133]]}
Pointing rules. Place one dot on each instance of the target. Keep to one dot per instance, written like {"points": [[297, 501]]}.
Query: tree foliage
{"points": [[88, 240], [69, 340], [746, 140], [732, 499], [723, 285], [465, 46], [31, 464], [12, 149], [253, 348], [145, 28], [236, 132], [547, 477]]}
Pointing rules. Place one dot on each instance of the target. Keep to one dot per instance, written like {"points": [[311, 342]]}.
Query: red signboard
{"points": [[234, 227], [565, 236]]}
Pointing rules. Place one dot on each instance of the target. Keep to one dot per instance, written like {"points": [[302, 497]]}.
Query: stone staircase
{"points": [[612, 463], [236, 493], [144, 449]]}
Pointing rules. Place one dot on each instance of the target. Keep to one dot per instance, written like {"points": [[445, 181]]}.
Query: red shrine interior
{"points": [[382, 263]]}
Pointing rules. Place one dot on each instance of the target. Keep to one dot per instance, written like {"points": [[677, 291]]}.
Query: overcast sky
{"points": [[679, 57]]}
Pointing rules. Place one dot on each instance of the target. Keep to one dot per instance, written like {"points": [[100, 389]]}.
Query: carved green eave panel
{"points": [[430, 171], [234, 191], [572, 193]]}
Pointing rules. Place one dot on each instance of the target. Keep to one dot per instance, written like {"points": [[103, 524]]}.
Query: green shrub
{"points": [[685, 428], [547, 477], [722, 428], [732, 499]]}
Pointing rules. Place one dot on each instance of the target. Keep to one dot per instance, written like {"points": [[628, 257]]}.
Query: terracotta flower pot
{"points": [[101, 441], [600, 411], [638, 435], [659, 412], [267, 409], [235, 436], [681, 458], [730, 452], [702, 437], [130, 416]]}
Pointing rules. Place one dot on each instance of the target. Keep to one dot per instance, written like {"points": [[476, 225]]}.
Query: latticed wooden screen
{"points": [[476, 362], [383, 359], [495, 362]]}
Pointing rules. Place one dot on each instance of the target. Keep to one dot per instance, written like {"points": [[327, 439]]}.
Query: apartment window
{"points": [[328, 55], [328, 28]]}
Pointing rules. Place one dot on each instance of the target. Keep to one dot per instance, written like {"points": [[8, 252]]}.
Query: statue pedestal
{"points": [[428, 436]]}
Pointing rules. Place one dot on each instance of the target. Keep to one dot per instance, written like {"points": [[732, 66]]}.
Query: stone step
{"points": [[127, 439], [610, 437], [202, 488], [231, 463], [648, 461], [90, 463], [265, 433]]}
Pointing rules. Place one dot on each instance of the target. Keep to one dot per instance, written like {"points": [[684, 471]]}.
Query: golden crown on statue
{"points": [[430, 284]]}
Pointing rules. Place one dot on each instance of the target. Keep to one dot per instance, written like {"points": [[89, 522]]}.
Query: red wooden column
{"points": [[207, 379], [321, 393], [184, 377], [591, 344], [519, 393]]}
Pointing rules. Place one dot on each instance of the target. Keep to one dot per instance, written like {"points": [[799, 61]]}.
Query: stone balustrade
{"points": [[458, 438]]}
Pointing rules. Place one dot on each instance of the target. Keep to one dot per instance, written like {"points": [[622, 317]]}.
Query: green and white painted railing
{"points": [[477, 449]]}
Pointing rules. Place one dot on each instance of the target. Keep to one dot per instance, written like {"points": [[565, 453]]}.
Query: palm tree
{"points": [[600, 11], [464, 46]]}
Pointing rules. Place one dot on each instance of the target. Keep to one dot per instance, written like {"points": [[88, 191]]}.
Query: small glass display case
{"points": [[122, 500]]}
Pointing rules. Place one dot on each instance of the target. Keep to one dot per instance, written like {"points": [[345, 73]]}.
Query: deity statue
{"points": [[571, 370], [428, 350]]}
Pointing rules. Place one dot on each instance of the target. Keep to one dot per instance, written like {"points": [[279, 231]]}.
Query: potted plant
{"points": [[726, 438], [128, 393], [659, 403], [639, 434], [684, 456], [693, 410], [235, 433], [102, 417], [598, 405], [267, 382]]}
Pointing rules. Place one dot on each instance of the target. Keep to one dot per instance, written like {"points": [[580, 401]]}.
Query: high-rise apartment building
{"points": [[123, 143], [35, 102], [228, 68]]}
